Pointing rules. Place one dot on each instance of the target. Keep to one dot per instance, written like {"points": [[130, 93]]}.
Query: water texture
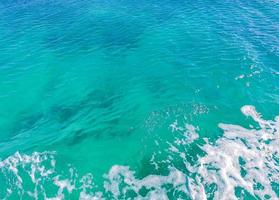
{"points": [[127, 99]]}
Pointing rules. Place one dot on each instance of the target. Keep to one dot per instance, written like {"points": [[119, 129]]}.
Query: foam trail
{"points": [[239, 149], [241, 158], [256, 148], [120, 174]]}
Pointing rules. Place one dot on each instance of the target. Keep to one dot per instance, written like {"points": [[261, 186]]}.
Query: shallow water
{"points": [[139, 100]]}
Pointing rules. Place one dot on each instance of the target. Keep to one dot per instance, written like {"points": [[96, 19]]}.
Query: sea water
{"points": [[125, 99]]}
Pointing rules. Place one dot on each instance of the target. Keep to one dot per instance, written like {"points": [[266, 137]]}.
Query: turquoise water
{"points": [[139, 99]]}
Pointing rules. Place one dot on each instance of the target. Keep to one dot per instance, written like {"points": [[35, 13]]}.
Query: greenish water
{"points": [[139, 99]]}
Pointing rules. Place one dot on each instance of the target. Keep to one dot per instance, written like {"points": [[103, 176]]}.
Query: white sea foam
{"points": [[241, 158], [123, 175], [252, 151], [257, 148], [34, 166]]}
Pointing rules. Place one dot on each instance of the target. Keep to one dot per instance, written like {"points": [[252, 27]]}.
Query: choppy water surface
{"points": [[139, 99]]}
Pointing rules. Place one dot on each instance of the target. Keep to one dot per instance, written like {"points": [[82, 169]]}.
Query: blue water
{"points": [[139, 99]]}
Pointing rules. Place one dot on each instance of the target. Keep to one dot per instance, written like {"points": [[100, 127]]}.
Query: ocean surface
{"points": [[151, 99]]}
